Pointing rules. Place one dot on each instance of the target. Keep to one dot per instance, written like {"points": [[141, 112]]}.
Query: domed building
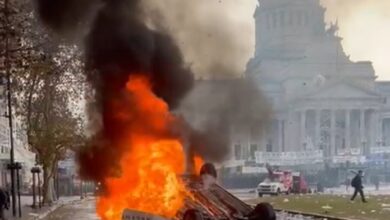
{"points": [[322, 100]]}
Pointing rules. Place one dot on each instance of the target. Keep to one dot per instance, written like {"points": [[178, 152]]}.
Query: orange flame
{"points": [[149, 179], [198, 163]]}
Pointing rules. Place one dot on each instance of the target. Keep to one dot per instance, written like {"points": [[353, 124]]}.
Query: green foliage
{"points": [[47, 85], [333, 205]]}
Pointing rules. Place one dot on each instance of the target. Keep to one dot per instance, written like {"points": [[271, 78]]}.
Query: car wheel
{"points": [[192, 214], [262, 211]]}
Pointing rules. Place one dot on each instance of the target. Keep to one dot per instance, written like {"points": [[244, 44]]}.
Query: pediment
{"points": [[341, 91]]}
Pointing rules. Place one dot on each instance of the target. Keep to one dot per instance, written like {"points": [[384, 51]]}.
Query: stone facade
{"points": [[321, 99]]}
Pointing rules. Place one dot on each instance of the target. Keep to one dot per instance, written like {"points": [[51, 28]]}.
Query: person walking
{"points": [[4, 202], [357, 184]]}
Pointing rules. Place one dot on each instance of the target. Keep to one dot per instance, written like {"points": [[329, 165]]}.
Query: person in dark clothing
{"points": [[4, 202], [358, 185]]}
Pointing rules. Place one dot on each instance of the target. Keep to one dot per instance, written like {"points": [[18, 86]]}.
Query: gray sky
{"points": [[364, 26]]}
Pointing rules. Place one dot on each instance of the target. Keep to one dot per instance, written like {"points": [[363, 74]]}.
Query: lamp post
{"points": [[8, 78], [16, 166]]}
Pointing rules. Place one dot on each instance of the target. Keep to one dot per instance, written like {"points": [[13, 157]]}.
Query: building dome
{"points": [[284, 26]]}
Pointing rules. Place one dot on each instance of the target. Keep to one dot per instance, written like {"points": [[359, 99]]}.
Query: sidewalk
{"points": [[32, 214]]}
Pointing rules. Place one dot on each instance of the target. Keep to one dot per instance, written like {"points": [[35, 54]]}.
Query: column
{"points": [[363, 140], [380, 131], [375, 135], [280, 135], [332, 132], [317, 140], [372, 130], [289, 144], [303, 129], [348, 129]]}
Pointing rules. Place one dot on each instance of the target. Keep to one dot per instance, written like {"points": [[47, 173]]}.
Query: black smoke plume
{"points": [[124, 39], [119, 44]]}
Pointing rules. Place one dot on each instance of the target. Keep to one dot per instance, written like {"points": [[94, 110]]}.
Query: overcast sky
{"points": [[364, 26]]}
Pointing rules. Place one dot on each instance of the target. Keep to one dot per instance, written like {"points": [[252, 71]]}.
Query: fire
{"points": [[149, 180], [198, 162]]}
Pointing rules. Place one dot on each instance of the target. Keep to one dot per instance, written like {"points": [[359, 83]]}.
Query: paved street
{"points": [[80, 210]]}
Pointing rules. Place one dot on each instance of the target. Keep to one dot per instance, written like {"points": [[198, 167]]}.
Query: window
{"points": [[306, 19], [269, 146], [274, 20], [282, 18], [253, 149], [268, 20], [291, 18], [237, 151], [299, 18]]}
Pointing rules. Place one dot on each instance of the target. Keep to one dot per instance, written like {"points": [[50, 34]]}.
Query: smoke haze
{"points": [[365, 28], [215, 37], [135, 38]]}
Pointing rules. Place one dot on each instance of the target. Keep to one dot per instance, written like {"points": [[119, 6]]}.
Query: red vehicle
{"points": [[299, 183], [280, 181]]}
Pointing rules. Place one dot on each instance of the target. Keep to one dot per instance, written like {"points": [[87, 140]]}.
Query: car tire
{"points": [[192, 214], [262, 211]]}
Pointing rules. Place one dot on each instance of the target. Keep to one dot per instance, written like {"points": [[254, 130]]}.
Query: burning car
{"points": [[208, 201]]}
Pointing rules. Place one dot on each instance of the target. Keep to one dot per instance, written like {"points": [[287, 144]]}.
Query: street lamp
{"points": [[7, 80], [16, 166], [7, 65]]}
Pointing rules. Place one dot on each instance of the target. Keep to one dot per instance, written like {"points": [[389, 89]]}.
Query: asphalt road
{"points": [[85, 210], [80, 210]]}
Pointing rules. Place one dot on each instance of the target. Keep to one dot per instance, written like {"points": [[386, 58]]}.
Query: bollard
{"points": [[34, 171], [18, 166], [81, 189], [39, 189]]}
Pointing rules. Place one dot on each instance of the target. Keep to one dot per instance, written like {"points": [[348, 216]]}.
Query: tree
{"points": [[47, 86], [52, 119]]}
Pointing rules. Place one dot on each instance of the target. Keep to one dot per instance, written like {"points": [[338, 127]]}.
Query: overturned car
{"points": [[210, 201]]}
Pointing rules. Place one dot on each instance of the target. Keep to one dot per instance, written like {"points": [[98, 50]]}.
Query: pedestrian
{"points": [[356, 183], [4, 202]]}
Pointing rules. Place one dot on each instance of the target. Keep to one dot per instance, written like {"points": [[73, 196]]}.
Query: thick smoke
{"points": [[119, 44], [214, 35], [126, 37], [67, 16], [223, 111], [216, 41]]}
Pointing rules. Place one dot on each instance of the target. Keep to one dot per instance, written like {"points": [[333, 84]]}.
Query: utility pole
{"points": [[8, 75]]}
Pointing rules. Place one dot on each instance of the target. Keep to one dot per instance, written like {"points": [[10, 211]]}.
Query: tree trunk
{"points": [[49, 195]]}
